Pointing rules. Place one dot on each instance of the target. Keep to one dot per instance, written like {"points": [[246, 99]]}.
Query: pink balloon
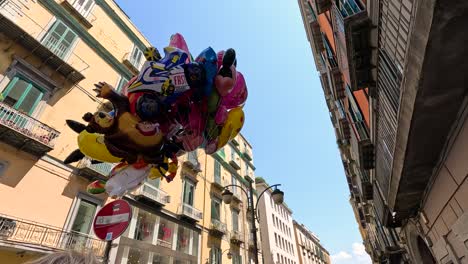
{"points": [[178, 41], [238, 95], [192, 138], [211, 147], [221, 115], [224, 85]]}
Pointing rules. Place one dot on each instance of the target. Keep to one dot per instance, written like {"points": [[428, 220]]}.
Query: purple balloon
{"points": [[238, 95]]}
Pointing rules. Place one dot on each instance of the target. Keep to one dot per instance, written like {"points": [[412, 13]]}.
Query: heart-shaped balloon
{"points": [[225, 83], [238, 95]]}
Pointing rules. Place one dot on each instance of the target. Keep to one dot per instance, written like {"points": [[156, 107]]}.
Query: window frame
{"points": [[48, 34], [80, 8], [75, 206]]}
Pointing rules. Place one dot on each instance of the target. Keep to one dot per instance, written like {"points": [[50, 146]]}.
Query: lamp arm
{"points": [[258, 198], [240, 187]]}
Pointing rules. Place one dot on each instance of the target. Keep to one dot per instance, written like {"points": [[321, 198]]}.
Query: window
{"points": [[217, 172], [235, 220], [59, 39], [183, 239], [22, 95], [215, 255], [165, 233], [84, 216], [192, 157], [233, 154], [122, 82], [222, 153], [246, 168], [215, 209], [234, 182], [278, 256], [145, 226], [189, 192], [236, 258], [83, 6], [136, 57], [276, 239], [153, 182]]}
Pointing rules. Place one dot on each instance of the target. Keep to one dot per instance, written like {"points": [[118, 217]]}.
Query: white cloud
{"points": [[359, 249], [340, 256], [358, 255]]}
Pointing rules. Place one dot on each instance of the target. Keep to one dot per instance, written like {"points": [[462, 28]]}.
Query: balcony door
{"points": [[189, 192], [84, 217], [59, 39], [22, 95]]}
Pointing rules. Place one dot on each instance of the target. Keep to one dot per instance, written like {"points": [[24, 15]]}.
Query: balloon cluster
{"points": [[175, 105]]}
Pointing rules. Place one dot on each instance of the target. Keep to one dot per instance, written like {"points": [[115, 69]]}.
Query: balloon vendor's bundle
{"points": [[175, 105]]}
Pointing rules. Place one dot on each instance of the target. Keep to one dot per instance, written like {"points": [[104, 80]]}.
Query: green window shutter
{"points": [[222, 153], [217, 171], [59, 39], [122, 82], [22, 95]]}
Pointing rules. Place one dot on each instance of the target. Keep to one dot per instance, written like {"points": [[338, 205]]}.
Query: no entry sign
{"points": [[112, 220]]}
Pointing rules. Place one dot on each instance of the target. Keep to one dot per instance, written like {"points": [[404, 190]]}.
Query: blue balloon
{"points": [[208, 59]]}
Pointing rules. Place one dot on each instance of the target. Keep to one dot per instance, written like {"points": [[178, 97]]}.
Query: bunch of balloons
{"points": [[175, 105]]}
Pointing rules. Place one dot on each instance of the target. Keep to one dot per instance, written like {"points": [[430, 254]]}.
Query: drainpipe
{"points": [[204, 203]]}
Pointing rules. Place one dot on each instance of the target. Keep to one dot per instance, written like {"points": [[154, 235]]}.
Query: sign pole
{"points": [[111, 222], [107, 252]]}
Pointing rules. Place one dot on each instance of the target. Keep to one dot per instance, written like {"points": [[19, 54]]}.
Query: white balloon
{"points": [[126, 180]]}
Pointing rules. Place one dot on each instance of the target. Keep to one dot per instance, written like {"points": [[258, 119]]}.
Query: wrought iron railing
{"points": [[191, 211], [26, 233], [101, 168], [26, 125], [153, 193], [218, 226], [237, 235]]}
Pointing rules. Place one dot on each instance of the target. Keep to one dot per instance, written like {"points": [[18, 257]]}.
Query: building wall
{"points": [[444, 219], [310, 251], [277, 231]]}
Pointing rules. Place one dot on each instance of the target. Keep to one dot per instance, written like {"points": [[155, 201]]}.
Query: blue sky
{"points": [[287, 120]]}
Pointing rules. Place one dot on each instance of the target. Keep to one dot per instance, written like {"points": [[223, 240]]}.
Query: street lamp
{"points": [[277, 196], [229, 256]]}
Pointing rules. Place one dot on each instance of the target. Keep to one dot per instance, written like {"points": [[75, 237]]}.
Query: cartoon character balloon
{"points": [[175, 104]]}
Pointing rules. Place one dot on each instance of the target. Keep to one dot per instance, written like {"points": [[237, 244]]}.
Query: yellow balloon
{"points": [[93, 146], [154, 174], [232, 126]]}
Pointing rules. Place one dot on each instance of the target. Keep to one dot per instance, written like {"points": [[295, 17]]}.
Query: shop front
{"points": [[158, 239]]}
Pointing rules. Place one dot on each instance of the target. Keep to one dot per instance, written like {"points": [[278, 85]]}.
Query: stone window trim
{"points": [[191, 178], [23, 68]]}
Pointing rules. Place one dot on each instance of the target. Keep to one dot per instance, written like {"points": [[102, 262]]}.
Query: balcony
{"points": [[247, 154], [359, 51], [93, 172], [235, 163], [323, 5], [57, 57], [366, 154], [24, 132], [235, 142], [189, 212], [22, 233], [236, 196], [237, 237], [337, 83], [132, 65], [68, 5], [345, 128], [152, 195], [191, 162], [217, 228]]}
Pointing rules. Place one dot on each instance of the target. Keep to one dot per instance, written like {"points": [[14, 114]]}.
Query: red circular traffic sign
{"points": [[112, 220]]}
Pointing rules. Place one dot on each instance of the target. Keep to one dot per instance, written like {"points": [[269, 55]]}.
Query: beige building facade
{"points": [[52, 54], [310, 250]]}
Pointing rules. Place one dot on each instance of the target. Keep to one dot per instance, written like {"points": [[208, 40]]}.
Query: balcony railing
{"points": [[217, 227], [152, 193], [191, 161], [25, 233], [22, 131], [235, 163], [237, 237], [94, 171], [247, 154], [190, 212]]}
